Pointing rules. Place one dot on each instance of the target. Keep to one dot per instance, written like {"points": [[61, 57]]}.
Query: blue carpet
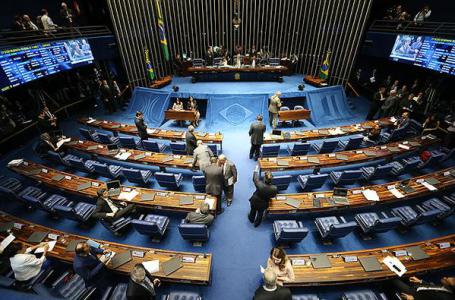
{"points": [[237, 247]]}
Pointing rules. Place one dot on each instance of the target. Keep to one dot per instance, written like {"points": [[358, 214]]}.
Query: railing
{"points": [[8, 38], [443, 29]]}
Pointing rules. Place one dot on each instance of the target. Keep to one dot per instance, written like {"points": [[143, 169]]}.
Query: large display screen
{"points": [[23, 64], [433, 53]]}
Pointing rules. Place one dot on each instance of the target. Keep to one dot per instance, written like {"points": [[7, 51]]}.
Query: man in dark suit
{"points": [[107, 96], [421, 290], [214, 182], [387, 108], [403, 121], [230, 177], [256, 133], [87, 264], [376, 104], [108, 210], [141, 126], [140, 286], [190, 140], [259, 202], [270, 290]]}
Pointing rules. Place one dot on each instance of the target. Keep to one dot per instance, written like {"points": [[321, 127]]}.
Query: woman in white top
{"points": [[279, 262], [26, 265], [178, 105]]}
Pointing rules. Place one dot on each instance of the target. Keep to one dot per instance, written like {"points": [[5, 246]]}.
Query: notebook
{"points": [[342, 157], [4, 227], [370, 264], [323, 131], [168, 158], [320, 261], [148, 196], [120, 259], [94, 147], [282, 163], [71, 247], [83, 186], [171, 265], [416, 253], [393, 149], [369, 153], [432, 180], [34, 172], [317, 202], [37, 237], [313, 160], [115, 126], [58, 177], [293, 202], [186, 200], [139, 156]]}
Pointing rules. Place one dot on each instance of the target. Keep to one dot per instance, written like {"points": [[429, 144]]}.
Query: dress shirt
{"points": [[111, 205], [26, 266]]}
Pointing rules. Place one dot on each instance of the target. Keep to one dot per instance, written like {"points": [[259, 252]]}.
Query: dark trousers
{"points": [[255, 215], [254, 150], [229, 192], [123, 212]]}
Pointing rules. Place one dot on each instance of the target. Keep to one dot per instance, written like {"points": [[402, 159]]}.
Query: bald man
{"points": [[270, 290]]}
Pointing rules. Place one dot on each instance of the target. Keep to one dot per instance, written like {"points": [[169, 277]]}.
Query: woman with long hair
{"points": [[281, 264]]}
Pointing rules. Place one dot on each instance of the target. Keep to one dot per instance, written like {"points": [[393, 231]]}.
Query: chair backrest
{"points": [[382, 171], [104, 138], [132, 174], [127, 141], [342, 229], [300, 148], [199, 183], [145, 227], [178, 148], [328, 146], [298, 107], [350, 175], [428, 216], [10, 187], [353, 143], [410, 163], [76, 162], [55, 156], [282, 182], [72, 289], [414, 127], [270, 150], [434, 159], [101, 168], [194, 232], [150, 146], [65, 211], [282, 108], [293, 234], [85, 134], [119, 292], [361, 294], [386, 224], [316, 181], [165, 177], [213, 148]]}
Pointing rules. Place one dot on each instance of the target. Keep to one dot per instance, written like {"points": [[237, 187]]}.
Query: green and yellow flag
{"points": [[148, 64], [163, 40], [324, 72]]}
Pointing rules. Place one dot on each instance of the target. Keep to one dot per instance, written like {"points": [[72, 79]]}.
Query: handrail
{"points": [[8, 38], [411, 27]]}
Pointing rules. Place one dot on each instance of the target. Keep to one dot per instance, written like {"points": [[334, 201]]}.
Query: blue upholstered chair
{"points": [[128, 142], [152, 225], [117, 293], [410, 217], [78, 163], [383, 171], [79, 212], [137, 176], [89, 135], [332, 227], [109, 171], [363, 295], [289, 231], [68, 286], [199, 183], [10, 187], [449, 199], [214, 149], [351, 143], [169, 180], [181, 295], [345, 177], [270, 150], [372, 223], [325, 147], [394, 135], [405, 166], [57, 157], [52, 201], [108, 139], [282, 182], [32, 196], [153, 146], [117, 227], [312, 182], [305, 297], [178, 148], [435, 203], [299, 149], [194, 232], [434, 159]]}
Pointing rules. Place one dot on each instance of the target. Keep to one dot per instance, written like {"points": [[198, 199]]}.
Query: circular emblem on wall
{"points": [[237, 76]]}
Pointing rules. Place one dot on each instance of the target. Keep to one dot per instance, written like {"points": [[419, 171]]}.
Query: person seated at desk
{"points": [[403, 121], [432, 126], [91, 268], [200, 216], [270, 290], [421, 290], [178, 106], [108, 210], [374, 134], [281, 265], [140, 286], [48, 143], [26, 265], [192, 106]]}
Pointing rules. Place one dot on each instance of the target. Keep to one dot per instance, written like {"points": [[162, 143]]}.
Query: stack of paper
{"points": [[336, 131], [123, 155], [91, 120], [396, 192], [128, 196], [405, 147], [152, 266], [15, 162], [51, 247], [370, 195], [210, 202], [395, 265], [150, 131], [428, 186], [6, 242]]}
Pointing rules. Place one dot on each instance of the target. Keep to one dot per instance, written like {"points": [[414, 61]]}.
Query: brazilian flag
{"points": [[148, 64], [324, 72], [163, 40]]}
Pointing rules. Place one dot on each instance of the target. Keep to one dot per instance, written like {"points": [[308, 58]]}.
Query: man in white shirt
{"points": [[47, 21], [26, 265]]}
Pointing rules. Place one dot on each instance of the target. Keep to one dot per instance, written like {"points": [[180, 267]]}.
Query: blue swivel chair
{"points": [[89, 135], [299, 149], [10, 187], [116, 293], [351, 143], [78, 163], [325, 147], [214, 149], [52, 201], [109, 171], [169, 180], [178, 148], [119, 226], [434, 159], [128, 142], [194, 232], [410, 217], [394, 135], [363, 295], [68, 286], [108, 139], [79, 212], [32, 196], [282, 182], [57, 157], [435, 203], [199, 183], [372, 223], [405, 166], [151, 225], [181, 295], [305, 297], [270, 150], [141, 177], [332, 227], [312, 182], [153, 146], [345, 177], [289, 231], [383, 171]]}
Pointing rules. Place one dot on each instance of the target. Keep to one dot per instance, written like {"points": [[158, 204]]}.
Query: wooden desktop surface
{"points": [[165, 200], [181, 115], [197, 272], [329, 160], [293, 115], [357, 199], [278, 69], [154, 133]]}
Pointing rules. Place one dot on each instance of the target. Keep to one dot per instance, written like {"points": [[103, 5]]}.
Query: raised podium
{"points": [[315, 81]]}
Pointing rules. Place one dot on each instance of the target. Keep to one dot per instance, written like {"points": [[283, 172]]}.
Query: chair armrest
{"points": [[60, 279], [42, 276], [88, 293], [142, 216], [343, 219], [384, 214], [106, 293]]}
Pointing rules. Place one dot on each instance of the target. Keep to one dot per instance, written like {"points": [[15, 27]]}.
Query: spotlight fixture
{"points": [[175, 88], [301, 87]]}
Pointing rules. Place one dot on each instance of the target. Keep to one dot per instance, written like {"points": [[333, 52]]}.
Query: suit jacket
{"points": [[390, 102], [106, 92], [141, 128], [199, 218], [274, 105], [231, 171], [191, 142], [214, 179], [256, 133], [137, 291], [281, 293], [201, 157], [264, 192], [89, 267], [402, 122], [102, 208]]}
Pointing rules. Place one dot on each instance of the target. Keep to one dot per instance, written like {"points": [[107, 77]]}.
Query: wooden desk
{"points": [[159, 83], [353, 156], [136, 156], [237, 74], [180, 115], [352, 272], [153, 133], [315, 81], [356, 198], [164, 200], [324, 133], [294, 115], [193, 273]]}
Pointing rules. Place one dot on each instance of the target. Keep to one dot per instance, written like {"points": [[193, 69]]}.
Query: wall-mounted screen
{"points": [[24, 64], [433, 53]]}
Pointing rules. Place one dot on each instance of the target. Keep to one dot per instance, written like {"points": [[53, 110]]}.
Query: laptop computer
{"points": [[342, 157], [167, 159], [282, 163], [370, 264], [171, 265], [416, 252], [83, 186], [313, 160], [58, 177], [432, 180], [37, 237], [120, 259], [340, 195], [320, 261], [113, 187], [139, 156], [112, 148], [293, 202], [186, 200], [148, 196]]}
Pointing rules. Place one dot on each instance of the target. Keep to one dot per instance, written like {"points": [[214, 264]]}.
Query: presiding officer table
{"points": [[197, 272], [266, 73]]}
